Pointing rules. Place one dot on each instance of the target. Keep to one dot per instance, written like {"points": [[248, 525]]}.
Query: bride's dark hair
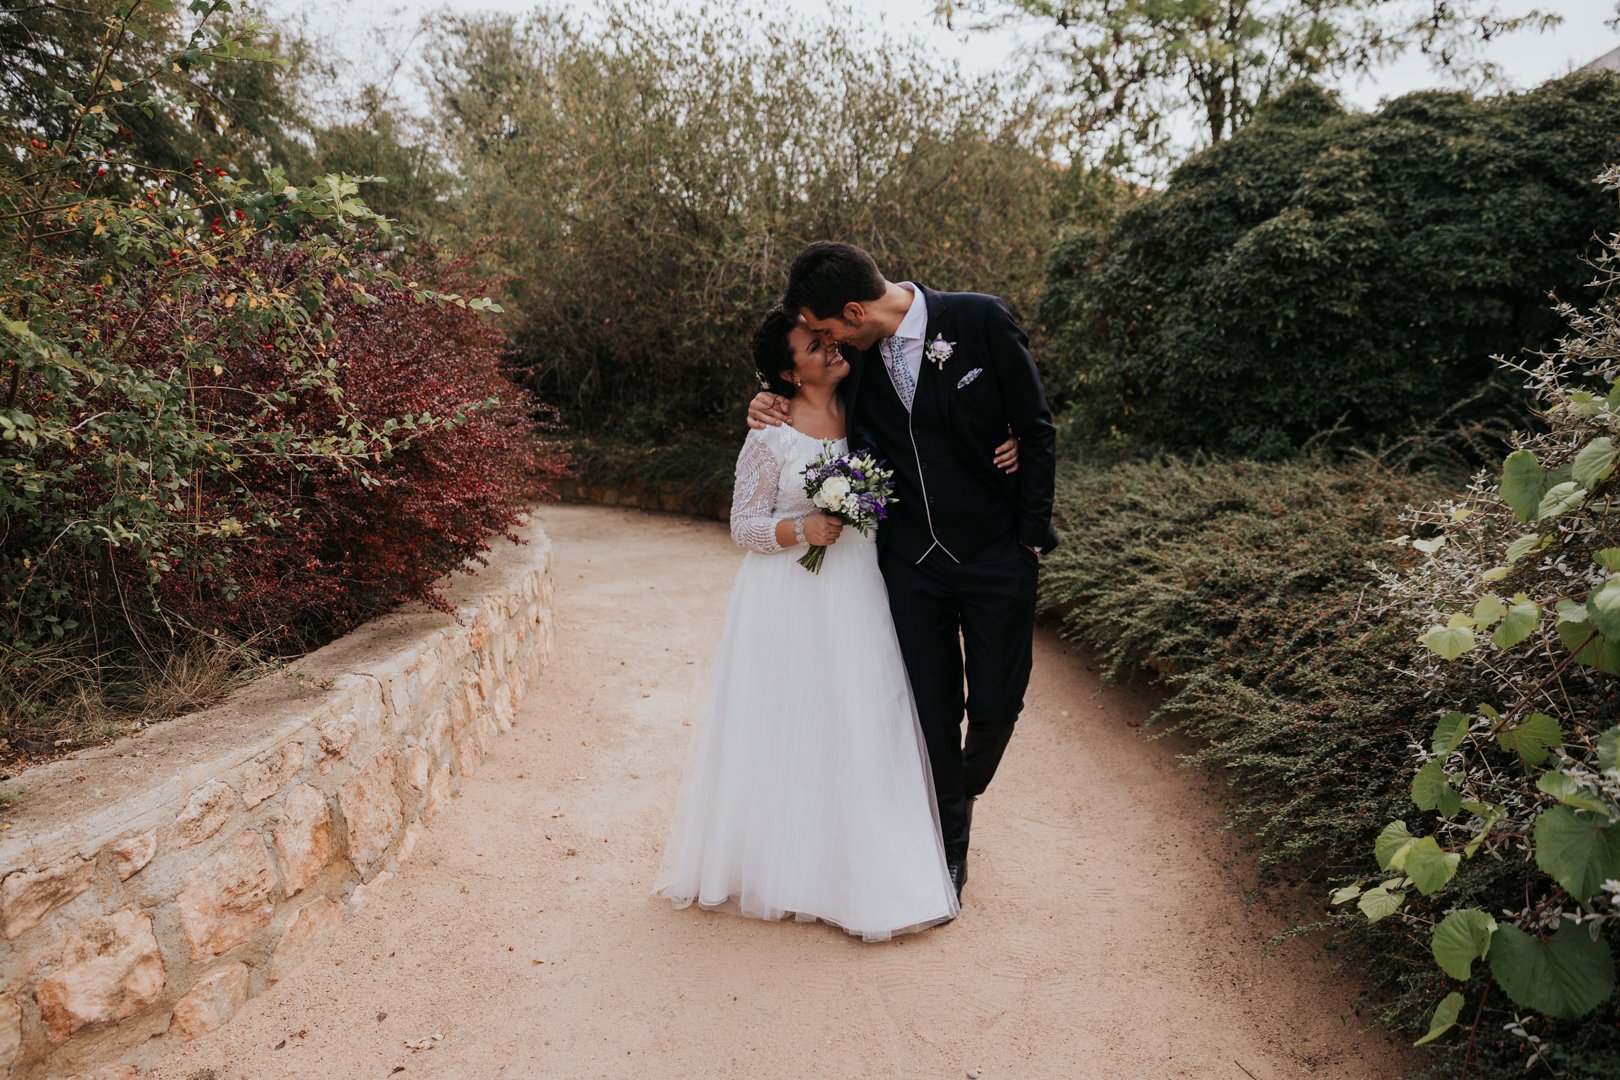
{"points": [[772, 353]]}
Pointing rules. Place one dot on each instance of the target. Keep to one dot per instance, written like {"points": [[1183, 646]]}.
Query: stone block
{"points": [[439, 791], [418, 767], [27, 896], [205, 813], [364, 894], [314, 921], [469, 755], [10, 1033], [211, 1003], [227, 897], [270, 772], [303, 837], [336, 735], [131, 854], [371, 810], [111, 969]]}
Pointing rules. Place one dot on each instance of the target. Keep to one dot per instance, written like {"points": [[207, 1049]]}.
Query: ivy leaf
{"points": [[1518, 623], [1567, 975], [1445, 1017], [1523, 483], [1449, 733], [1608, 558], [1594, 463], [1448, 642], [1460, 939], [1488, 609], [1532, 739], [1432, 791], [1560, 499], [1608, 748], [1603, 606], [1392, 844], [1579, 850], [1379, 903], [1523, 546], [1571, 792], [1429, 867]]}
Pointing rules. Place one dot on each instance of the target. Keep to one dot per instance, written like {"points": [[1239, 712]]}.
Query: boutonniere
{"points": [[940, 350]]}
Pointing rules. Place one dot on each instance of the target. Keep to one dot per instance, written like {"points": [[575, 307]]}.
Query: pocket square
{"points": [[970, 376]]}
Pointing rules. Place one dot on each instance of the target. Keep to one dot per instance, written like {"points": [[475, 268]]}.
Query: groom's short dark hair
{"points": [[827, 275]]}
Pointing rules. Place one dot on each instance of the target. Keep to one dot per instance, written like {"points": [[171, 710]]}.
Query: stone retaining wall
{"points": [[149, 888]]}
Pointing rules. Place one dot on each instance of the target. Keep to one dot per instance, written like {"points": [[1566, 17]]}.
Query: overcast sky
{"points": [[351, 28]]}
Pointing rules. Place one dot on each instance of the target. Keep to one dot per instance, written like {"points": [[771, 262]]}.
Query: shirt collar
{"points": [[914, 327]]}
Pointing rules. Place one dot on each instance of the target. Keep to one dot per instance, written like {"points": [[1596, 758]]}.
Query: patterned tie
{"points": [[894, 356]]}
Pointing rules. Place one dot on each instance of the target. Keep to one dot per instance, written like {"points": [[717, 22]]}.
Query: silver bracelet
{"points": [[798, 531]]}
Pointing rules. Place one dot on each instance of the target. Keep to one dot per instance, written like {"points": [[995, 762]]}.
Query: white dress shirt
{"points": [[912, 333]]}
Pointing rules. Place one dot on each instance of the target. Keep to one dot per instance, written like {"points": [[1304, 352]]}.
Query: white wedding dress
{"points": [[807, 789]]}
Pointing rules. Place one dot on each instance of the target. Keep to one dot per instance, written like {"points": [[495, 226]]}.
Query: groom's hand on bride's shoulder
{"points": [[768, 410]]}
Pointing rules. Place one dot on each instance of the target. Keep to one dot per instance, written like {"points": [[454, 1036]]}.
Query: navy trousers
{"points": [[974, 619]]}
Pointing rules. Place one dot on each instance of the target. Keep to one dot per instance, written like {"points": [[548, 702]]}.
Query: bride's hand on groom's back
{"points": [[768, 410]]}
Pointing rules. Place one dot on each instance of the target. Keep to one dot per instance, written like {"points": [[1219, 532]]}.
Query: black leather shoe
{"points": [[958, 871]]}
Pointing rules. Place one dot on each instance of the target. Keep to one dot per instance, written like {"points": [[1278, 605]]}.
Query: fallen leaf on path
{"points": [[381, 1017], [396, 1069], [279, 1045], [423, 1044]]}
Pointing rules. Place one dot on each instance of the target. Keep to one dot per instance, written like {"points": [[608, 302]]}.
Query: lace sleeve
{"points": [[753, 498]]}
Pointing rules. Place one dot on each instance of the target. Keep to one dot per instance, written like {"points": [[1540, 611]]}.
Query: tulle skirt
{"points": [[807, 790]]}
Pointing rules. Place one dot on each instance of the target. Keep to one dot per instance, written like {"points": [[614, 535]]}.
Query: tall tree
{"points": [[1143, 71]]}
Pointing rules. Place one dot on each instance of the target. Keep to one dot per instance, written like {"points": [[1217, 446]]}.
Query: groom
{"points": [[936, 381]]}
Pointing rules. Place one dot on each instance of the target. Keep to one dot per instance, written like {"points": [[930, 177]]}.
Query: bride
{"points": [[807, 789]]}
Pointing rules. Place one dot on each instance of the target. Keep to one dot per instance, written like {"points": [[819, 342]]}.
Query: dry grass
{"points": [[57, 699]]}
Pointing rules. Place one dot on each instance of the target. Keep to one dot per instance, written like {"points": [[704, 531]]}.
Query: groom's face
{"points": [[850, 327]]}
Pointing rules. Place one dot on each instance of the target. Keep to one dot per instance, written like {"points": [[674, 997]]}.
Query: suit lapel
{"points": [[933, 380]]}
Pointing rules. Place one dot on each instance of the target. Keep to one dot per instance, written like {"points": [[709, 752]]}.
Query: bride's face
{"points": [[815, 362]]}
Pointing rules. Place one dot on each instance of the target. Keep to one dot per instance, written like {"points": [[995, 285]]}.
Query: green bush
{"points": [[1515, 606], [1325, 272], [1251, 589], [648, 175]]}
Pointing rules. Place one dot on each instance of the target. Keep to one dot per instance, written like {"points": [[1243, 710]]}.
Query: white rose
{"points": [[831, 495]]}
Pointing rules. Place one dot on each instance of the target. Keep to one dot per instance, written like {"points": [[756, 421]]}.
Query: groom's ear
{"points": [[854, 313]]}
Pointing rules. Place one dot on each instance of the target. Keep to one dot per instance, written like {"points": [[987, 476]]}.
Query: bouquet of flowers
{"points": [[856, 488]]}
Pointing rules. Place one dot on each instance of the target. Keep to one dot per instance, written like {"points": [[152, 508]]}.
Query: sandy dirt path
{"points": [[1103, 932]]}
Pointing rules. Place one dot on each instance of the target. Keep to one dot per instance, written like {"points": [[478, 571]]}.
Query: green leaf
{"points": [[1532, 739], [1379, 903], [1608, 558], [1560, 499], [1523, 483], [1349, 892], [1449, 733], [1432, 791], [1603, 606], [1591, 649], [1521, 620], [1594, 463], [1461, 938], [1523, 546], [1429, 867], [1570, 611], [1445, 1017], [1488, 609], [1448, 642], [1579, 850], [1392, 844], [1608, 748], [1495, 573], [1567, 975], [1571, 792]]}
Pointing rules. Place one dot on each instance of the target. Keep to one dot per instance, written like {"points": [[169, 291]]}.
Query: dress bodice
{"points": [[770, 483]]}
